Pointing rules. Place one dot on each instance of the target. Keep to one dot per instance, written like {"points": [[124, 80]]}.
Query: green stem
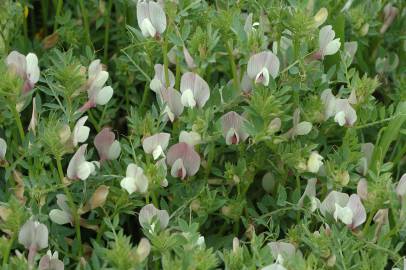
{"points": [[236, 80], [57, 14], [85, 23], [17, 118], [7, 251], [137, 66], [72, 206], [144, 98], [93, 121], [166, 61], [107, 31]]}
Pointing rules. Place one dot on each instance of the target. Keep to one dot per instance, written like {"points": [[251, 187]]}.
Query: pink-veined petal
{"points": [[190, 158], [358, 210], [150, 143], [197, 85]]}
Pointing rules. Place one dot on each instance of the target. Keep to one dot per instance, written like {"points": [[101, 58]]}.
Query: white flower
{"points": [[135, 180], [327, 44], [151, 18], [340, 108], [80, 131], [64, 214], [78, 167], [33, 234], [314, 162], [150, 215], [97, 93], [50, 262], [156, 144], [26, 67]]}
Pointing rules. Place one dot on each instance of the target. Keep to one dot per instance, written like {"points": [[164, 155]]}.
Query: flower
{"points": [[3, 149], [320, 17], [314, 162], [390, 12], [50, 262], [188, 58], [299, 128], [156, 144], [261, 65], [78, 167], [80, 131], [33, 235], [64, 214], [401, 187], [195, 91], [192, 138], [158, 83], [149, 216], [106, 145], [232, 127], [97, 94], [348, 209], [151, 18], [135, 180], [274, 266], [183, 159], [173, 103], [143, 249], [341, 109], [327, 44], [362, 189], [26, 67], [310, 192]]}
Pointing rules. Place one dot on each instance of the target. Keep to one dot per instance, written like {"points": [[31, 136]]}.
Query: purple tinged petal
{"points": [[401, 187], [358, 210], [17, 63], [246, 84], [259, 61], [234, 122], [362, 189], [328, 205], [103, 141], [150, 143], [190, 158], [310, 191], [142, 12], [77, 159], [149, 211], [197, 85], [188, 58], [158, 82], [172, 99], [157, 17], [282, 248]]}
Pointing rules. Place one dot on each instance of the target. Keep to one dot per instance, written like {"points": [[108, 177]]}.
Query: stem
{"points": [[58, 11], [107, 30], [144, 98], [93, 120], [166, 61], [236, 81], [85, 22], [72, 206], [6, 253], [177, 76], [18, 121], [137, 66]]}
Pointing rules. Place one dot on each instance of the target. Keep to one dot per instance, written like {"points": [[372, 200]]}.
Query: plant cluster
{"points": [[195, 134]]}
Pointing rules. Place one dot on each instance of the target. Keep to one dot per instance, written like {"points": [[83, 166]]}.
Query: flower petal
{"points": [[59, 217], [157, 17], [197, 85], [190, 158], [17, 63], [104, 95], [358, 210], [3, 148], [32, 68], [150, 143]]}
